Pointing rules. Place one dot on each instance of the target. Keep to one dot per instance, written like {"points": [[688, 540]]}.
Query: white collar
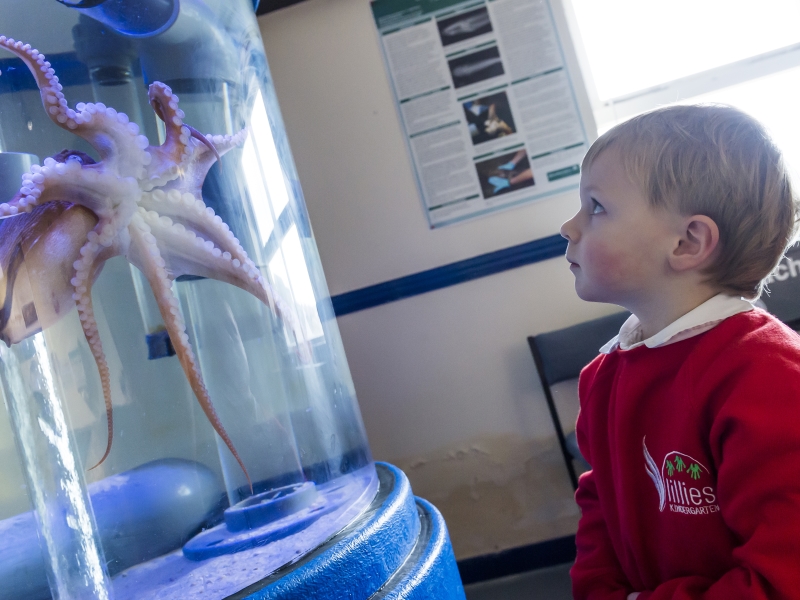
{"points": [[699, 320]]}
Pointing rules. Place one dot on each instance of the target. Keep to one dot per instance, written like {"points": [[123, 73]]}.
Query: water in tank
{"points": [[178, 418]]}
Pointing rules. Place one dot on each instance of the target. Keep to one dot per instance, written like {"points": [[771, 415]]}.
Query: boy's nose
{"points": [[569, 231]]}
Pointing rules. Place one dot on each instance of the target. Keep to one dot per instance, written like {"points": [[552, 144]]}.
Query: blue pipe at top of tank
{"points": [[182, 40], [144, 18], [196, 47], [91, 3]]}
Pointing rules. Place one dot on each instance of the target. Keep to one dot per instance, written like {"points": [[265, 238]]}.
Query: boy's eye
{"points": [[597, 208]]}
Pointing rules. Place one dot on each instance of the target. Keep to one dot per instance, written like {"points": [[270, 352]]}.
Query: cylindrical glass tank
{"points": [[178, 418]]}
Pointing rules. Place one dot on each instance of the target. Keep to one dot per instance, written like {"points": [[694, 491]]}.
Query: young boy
{"points": [[690, 417]]}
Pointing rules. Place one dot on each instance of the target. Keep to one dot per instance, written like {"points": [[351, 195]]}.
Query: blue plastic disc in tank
{"points": [[270, 506], [262, 519]]}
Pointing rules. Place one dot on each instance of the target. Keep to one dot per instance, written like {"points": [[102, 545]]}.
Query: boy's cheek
{"points": [[610, 266], [606, 272]]}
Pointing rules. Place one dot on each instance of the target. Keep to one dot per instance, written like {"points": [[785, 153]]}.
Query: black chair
{"points": [[559, 356], [783, 289]]}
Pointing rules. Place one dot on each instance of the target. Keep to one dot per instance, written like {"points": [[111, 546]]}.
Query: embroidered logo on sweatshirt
{"points": [[682, 482]]}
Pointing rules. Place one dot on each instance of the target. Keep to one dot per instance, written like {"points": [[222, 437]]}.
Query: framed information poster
{"points": [[487, 105]]}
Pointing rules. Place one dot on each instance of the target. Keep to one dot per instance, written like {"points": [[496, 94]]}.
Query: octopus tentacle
{"points": [[194, 172], [88, 186], [193, 254], [85, 271], [153, 266], [177, 147], [223, 143], [203, 140], [189, 210], [107, 130], [51, 90], [206, 246], [28, 196], [35, 183]]}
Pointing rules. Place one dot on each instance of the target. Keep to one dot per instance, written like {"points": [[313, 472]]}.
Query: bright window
{"points": [[773, 101], [636, 44], [289, 274], [268, 153], [640, 54], [258, 191]]}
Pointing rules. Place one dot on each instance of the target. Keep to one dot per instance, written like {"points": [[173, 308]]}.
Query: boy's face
{"points": [[618, 244]]}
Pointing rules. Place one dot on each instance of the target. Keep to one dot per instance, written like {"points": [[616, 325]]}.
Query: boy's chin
{"points": [[590, 294]]}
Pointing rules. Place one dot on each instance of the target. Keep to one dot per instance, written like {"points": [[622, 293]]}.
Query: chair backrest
{"points": [[566, 351], [783, 296], [560, 355]]}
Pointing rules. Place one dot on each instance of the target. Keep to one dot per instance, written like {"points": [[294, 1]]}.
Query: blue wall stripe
{"points": [[522, 559], [447, 275]]}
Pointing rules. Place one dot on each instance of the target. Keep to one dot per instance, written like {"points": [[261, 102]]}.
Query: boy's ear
{"points": [[697, 244]]}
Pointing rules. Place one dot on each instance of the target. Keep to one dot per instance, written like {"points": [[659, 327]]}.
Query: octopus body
{"points": [[139, 201]]}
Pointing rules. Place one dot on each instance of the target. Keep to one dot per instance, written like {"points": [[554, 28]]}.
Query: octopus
{"points": [[138, 201]]}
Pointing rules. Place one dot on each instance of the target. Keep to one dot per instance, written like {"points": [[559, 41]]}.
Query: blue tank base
{"points": [[431, 571], [397, 549]]}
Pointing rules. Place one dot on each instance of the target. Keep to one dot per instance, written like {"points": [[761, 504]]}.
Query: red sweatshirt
{"points": [[695, 450]]}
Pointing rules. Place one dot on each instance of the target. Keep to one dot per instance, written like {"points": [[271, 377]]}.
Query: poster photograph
{"points": [[485, 101]]}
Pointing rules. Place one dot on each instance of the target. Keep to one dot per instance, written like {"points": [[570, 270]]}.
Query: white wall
{"points": [[445, 380]]}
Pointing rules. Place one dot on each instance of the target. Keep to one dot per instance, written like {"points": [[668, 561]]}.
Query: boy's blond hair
{"points": [[720, 162]]}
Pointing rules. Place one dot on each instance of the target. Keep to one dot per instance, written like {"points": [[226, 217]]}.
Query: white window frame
{"points": [[611, 111]]}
